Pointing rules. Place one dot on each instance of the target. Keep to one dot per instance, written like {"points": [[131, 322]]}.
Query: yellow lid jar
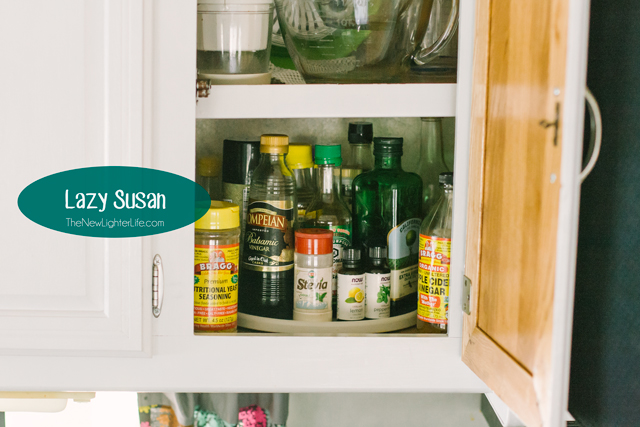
{"points": [[216, 259]]}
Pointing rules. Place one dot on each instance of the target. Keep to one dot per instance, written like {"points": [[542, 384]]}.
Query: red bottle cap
{"points": [[314, 241]]}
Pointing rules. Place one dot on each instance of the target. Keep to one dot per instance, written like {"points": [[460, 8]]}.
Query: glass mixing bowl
{"points": [[359, 41]]}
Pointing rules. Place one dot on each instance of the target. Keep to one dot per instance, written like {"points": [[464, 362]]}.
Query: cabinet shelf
{"points": [[261, 363], [328, 100]]}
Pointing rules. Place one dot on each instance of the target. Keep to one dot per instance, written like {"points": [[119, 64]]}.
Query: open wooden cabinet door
{"points": [[526, 145]]}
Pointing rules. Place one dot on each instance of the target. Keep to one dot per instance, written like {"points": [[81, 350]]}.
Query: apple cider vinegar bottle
{"points": [[435, 262]]}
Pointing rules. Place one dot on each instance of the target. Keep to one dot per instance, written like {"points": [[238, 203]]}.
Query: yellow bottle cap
{"points": [[208, 166], [220, 216], [275, 144], [299, 156]]}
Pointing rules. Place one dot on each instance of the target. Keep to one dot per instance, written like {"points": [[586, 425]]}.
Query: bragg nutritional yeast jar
{"points": [[215, 284]]}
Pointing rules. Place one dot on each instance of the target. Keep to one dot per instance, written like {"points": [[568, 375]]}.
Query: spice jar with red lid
{"points": [[313, 275]]}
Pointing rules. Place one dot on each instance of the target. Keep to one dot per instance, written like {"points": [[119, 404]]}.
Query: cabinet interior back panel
{"points": [[211, 133]]}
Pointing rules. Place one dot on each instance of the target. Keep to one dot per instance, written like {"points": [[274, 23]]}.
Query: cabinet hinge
{"points": [[158, 285], [466, 295]]}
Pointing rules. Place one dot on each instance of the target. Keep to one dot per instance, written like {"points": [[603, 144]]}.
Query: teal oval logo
{"points": [[114, 201]]}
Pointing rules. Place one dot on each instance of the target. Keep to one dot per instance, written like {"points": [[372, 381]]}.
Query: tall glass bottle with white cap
{"points": [[266, 275]]}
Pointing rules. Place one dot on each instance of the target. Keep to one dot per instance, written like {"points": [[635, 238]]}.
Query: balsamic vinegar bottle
{"points": [[266, 276]]}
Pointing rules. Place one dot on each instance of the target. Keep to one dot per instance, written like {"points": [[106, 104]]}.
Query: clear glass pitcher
{"points": [[362, 41]]}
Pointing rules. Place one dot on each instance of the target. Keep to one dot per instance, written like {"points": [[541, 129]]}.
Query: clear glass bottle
{"points": [[360, 157], [387, 214], [435, 262], [431, 163], [300, 161], [266, 272], [328, 210]]}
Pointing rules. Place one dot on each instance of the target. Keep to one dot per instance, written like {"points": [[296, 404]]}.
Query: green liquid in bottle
{"points": [[387, 213]]}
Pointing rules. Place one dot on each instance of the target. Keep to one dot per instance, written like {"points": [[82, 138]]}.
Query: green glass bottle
{"points": [[387, 213], [328, 210]]}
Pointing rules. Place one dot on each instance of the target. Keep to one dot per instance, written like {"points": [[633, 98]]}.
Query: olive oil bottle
{"points": [[266, 273], [387, 214]]}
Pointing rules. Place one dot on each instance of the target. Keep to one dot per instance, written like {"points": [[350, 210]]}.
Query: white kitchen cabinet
{"points": [[151, 122], [71, 83]]}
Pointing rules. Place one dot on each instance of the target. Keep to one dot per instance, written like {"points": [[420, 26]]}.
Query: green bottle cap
{"points": [[387, 145], [328, 155]]}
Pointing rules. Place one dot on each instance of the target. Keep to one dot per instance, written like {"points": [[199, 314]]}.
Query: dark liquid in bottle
{"points": [[266, 294]]}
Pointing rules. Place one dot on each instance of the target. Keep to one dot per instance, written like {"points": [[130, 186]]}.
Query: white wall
{"points": [[107, 409], [385, 410], [111, 409]]}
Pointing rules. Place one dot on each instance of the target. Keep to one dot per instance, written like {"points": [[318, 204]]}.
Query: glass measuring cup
{"points": [[357, 41]]}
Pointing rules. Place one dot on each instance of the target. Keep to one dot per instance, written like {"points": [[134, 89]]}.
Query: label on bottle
{"points": [[433, 286], [377, 295], [215, 287], [402, 242], [312, 289], [351, 292], [268, 237], [341, 241]]}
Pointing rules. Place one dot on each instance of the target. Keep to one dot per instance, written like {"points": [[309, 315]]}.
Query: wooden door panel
{"points": [[514, 200], [520, 202]]}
